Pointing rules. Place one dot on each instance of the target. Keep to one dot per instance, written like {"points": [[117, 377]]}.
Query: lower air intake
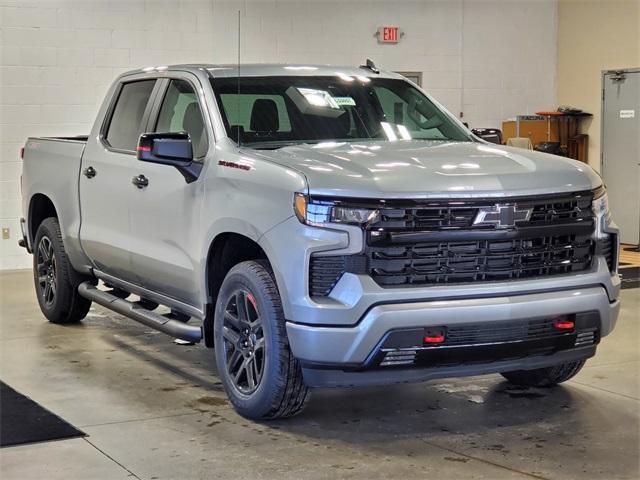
{"points": [[401, 357], [585, 338]]}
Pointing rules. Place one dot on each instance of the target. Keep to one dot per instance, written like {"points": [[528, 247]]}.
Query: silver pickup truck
{"points": [[320, 226]]}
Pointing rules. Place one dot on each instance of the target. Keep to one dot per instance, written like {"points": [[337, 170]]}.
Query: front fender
{"points": [[248, 201]]}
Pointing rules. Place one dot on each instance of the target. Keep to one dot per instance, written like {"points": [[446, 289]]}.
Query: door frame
{"points": [[106, 121], [603, 75]]}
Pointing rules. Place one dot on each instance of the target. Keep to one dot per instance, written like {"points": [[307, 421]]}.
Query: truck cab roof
{"points": [[269, 70]]}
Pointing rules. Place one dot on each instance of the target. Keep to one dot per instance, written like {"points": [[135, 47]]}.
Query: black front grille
{"points": [[485, 260], [429, 242], [427, 217], [545, 210]]}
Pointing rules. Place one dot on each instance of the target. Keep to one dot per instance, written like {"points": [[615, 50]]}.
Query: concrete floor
{"points": [[153, 409]]}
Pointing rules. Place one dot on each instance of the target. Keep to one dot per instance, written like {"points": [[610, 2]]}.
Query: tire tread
{"points": [[295, 392], [73, 307]]}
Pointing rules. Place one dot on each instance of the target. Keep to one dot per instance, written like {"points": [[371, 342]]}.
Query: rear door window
{"points": [[126, 126]]}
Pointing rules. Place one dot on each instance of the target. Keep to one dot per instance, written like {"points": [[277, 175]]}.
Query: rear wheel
{"points": [[260, 375], [55, 280], [545, 377]]}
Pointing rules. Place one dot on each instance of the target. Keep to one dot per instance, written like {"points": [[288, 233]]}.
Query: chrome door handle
{"points": [[89, 172], [140, 181]]}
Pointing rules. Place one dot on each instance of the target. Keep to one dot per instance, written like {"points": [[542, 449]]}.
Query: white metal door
{"points": [[621, 149]]}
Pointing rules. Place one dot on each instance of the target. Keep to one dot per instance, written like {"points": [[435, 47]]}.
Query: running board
{"points": [[151, 319]]}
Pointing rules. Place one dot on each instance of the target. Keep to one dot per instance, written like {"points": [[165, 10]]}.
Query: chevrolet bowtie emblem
{"points": [[502, 216]]}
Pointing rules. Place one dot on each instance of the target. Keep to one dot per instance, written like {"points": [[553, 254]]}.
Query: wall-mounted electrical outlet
{"points": [[6, 233]]}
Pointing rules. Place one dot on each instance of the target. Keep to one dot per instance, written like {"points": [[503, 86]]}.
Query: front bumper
{"points": [[351, 346]]}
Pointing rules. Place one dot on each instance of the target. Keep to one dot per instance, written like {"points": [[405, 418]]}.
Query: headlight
{"points": [[322, 212], [600, 207]]}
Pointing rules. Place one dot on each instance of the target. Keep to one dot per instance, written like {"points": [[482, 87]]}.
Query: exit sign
{"points": [[389, 34]]}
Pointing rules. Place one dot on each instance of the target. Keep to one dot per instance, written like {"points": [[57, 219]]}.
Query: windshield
{"points": [[271, 112]]}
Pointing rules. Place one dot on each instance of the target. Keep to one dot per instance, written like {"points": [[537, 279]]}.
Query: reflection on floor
{"points": [[156, 410]]}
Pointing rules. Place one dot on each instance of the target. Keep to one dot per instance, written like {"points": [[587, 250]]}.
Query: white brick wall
{"points": [[57, 57], [509, 59]]}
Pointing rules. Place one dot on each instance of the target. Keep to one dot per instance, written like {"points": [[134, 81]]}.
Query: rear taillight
{"points": [[22, 153]]}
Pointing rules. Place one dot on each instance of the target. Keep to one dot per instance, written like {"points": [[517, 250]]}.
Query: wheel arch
{"points": [[226, 250], [40, 208]]}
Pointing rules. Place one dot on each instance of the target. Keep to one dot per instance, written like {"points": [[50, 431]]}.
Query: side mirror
{"points": [[172, 149], [166, 148]]}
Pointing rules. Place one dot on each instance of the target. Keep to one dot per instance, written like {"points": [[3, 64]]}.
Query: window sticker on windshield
{"points": [[345, 101]]}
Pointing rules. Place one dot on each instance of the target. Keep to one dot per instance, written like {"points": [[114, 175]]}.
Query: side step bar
{"points": [[163, 324]]}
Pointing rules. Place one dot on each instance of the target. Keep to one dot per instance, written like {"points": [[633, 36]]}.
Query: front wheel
{"points": [[260, 374], [55, 280], [545, 377]]}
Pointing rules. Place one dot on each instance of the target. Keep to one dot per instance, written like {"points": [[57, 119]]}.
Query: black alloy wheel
{"points": [[244, 342], [47, 272], [260, 374]]}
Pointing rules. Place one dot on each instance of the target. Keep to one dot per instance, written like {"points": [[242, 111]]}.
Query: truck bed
{"points": [[51, 168]]}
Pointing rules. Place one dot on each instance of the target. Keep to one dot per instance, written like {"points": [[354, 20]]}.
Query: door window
{"points": [[125, 126], [180, 112]]}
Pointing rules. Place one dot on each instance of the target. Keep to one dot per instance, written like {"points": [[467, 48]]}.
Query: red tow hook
{"points": [[563, 323], [433, 336], [434, 339]]}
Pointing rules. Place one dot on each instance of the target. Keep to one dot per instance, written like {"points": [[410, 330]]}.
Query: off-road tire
{"points": [[281, 391], [545, 377], [66, 306]]}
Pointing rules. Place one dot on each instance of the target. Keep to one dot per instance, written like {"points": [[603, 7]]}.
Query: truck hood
{"points": [[431, 169]]}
